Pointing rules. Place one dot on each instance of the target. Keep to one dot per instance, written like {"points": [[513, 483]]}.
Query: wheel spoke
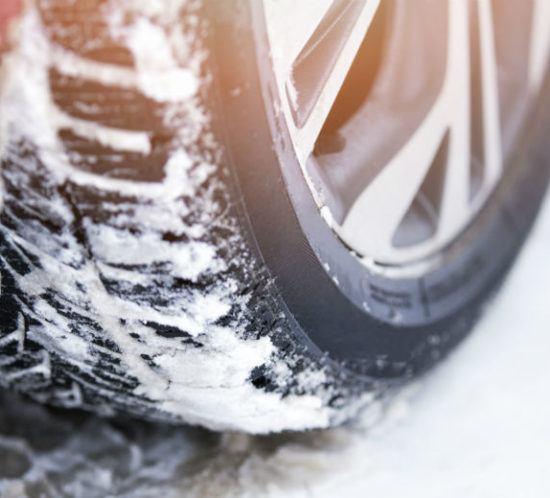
{"points": [[455, 203], [377, 212], [490, 90], [540, 43], [376, 114], [289, 29], [309, 119]]}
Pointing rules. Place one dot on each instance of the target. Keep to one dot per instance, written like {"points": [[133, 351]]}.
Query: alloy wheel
{"points": [[402, 114]]}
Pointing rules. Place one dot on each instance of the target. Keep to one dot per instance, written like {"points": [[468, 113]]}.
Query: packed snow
{"points": [[476, 426]]}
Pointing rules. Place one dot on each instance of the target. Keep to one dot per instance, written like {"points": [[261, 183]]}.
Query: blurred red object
{"points": [[8, 8]]}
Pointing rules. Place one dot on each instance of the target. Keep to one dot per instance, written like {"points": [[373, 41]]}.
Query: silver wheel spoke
{"points": [[289, 29], [491, 112], [376, 214], [376, 114], [306, 130], [457, 95]]}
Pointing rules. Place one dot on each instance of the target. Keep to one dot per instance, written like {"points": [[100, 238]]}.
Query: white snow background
{"points": [[477, 426]]}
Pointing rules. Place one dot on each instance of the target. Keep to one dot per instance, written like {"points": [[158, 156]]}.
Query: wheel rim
{"points": [[399, 170]]}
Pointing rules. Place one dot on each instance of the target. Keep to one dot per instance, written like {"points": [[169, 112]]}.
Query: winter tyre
{"points": [[250, 218]]}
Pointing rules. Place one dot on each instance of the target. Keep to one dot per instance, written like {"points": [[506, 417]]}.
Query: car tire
{"points": [[162, 252]]}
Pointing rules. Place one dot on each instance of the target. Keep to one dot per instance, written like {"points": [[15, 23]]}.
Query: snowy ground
{"points": [[478, 426]]}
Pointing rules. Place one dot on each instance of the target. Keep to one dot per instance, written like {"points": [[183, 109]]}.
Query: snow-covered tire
{"points": [[154, 256]]}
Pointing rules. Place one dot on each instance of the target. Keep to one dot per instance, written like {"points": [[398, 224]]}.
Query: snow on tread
{"points": [[127, 284]]}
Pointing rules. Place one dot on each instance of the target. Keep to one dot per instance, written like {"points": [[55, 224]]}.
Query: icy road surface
{"points": [[478, 426]]}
